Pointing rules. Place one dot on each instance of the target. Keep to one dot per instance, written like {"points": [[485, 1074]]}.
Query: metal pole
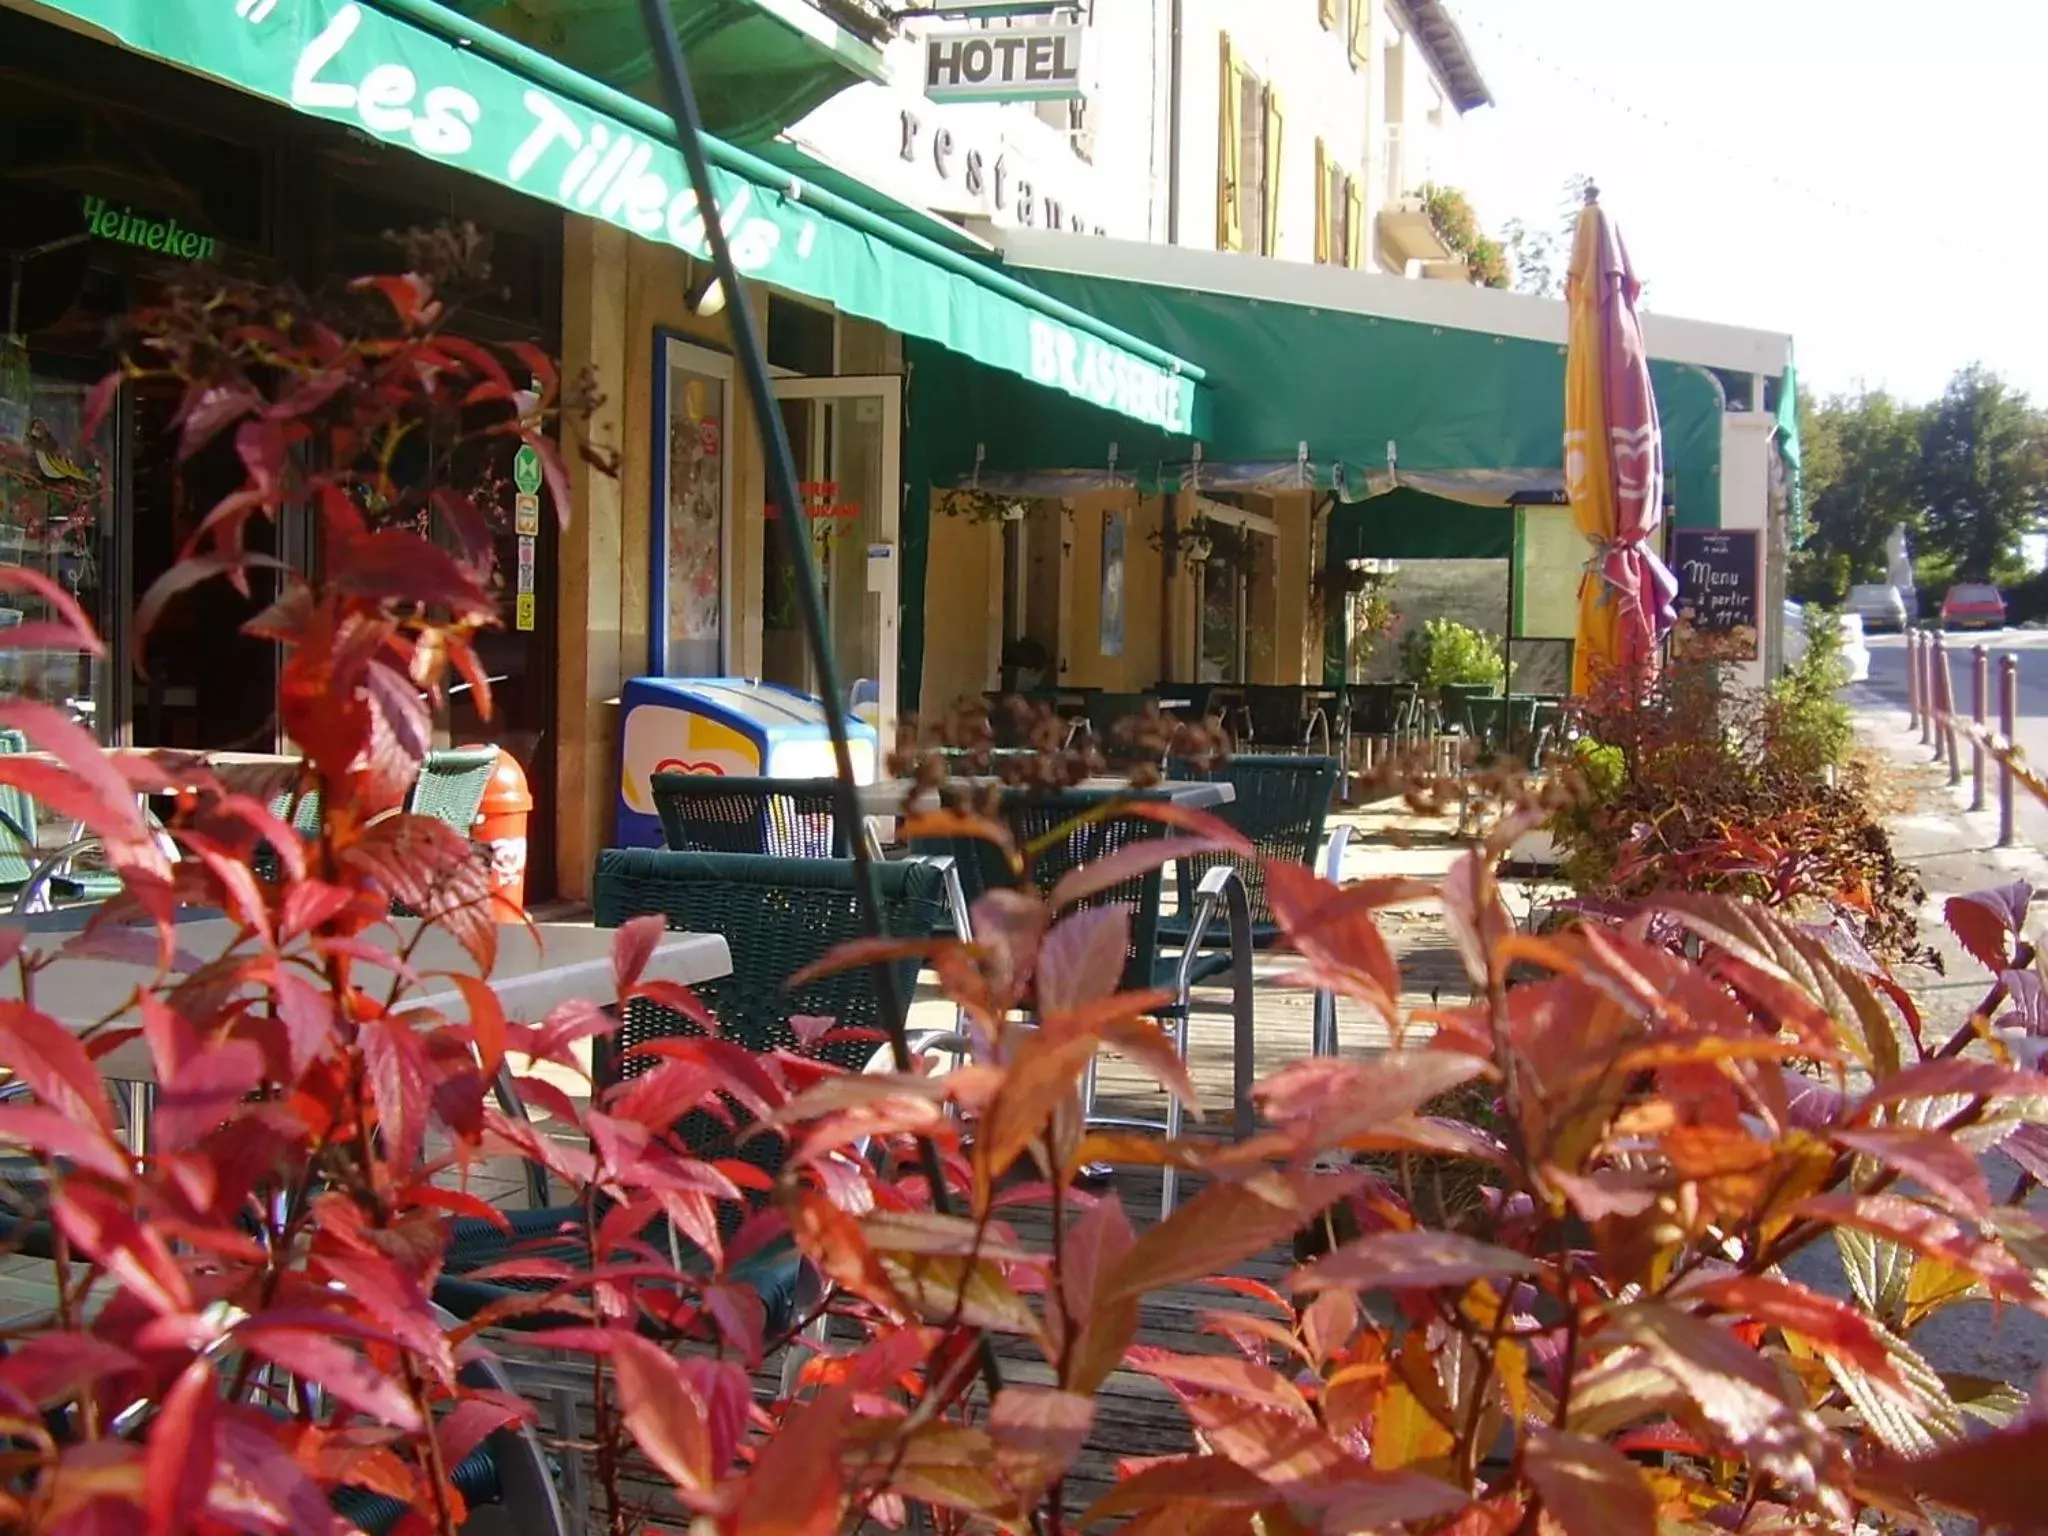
{"points": [[1927, 644], [1980, 691], [1937, 672], [681, 101], [1912, 678], [2008, 722], [1948, 720]]}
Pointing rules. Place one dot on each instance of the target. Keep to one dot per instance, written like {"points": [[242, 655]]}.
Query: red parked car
{"points": [[1972, 605]]}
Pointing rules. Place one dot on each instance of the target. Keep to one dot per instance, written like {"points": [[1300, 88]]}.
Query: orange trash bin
{"points": [[501, 825]]}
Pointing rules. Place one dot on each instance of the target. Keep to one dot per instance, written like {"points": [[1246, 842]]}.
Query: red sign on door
{"points": [[820, 499]]}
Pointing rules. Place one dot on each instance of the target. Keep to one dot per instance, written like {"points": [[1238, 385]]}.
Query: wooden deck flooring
{"points": [[1135, 1416]]}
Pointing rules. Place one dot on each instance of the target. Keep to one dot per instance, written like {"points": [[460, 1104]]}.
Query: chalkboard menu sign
{"points": [[1720, 584]]}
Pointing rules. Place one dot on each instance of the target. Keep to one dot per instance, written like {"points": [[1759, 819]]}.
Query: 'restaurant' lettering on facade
{"points": [[979, 174]]}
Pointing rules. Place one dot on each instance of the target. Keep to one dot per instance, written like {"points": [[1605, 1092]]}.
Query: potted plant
{"points": [[1444, 653]]}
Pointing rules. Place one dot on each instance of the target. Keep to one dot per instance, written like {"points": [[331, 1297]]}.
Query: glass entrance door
{"points": [[847, 437]]}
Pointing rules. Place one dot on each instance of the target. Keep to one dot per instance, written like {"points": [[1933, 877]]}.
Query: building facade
{"points": [[1304, 130]]}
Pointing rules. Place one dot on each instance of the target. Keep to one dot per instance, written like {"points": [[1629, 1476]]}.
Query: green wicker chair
{"points": [[716, 813], [1282, 717], [780, 915], [1500, 726], [38, 880], [1450, 701], [1282, 807], [1552, 721], [300, 812], [1118, 723], [1061, 822], [450, 788], [1376, 713], [451, 785], [782, 818]]}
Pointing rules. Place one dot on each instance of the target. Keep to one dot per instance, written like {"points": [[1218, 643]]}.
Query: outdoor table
{"points": [[888, 798], [536, 969]]}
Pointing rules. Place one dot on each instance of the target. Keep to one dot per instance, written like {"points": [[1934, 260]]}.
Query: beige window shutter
{"points": [[1354, 222], [1229, 152], [1361, 33], [1326, 12], [1323, 252], [1275, 121]]}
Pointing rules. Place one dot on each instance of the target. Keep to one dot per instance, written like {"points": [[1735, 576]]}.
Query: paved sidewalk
{"points": [[1954, 851]]}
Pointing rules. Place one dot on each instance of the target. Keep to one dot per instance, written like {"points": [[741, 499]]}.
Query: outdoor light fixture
{"points": [[706, 296]]}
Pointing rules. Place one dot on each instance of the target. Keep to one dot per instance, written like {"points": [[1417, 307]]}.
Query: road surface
{"points": [[1887, 688]]}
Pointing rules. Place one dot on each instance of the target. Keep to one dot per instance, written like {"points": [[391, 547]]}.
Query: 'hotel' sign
{"points": [[1041, 63]]}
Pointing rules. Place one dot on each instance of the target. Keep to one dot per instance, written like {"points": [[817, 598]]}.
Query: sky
{"points": [[1867, 175]]}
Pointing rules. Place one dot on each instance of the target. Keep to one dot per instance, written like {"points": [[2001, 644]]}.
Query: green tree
{"points": [[1861, 456], [1538, 258], [1983, 474], [1533, 259]]}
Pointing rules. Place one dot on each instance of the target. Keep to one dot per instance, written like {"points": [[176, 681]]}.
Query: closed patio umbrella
{"points": [[1613, 459]]}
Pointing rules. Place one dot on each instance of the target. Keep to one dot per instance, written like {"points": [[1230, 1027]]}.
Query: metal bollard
{"points": [[1937, 674], [1912, 679], [2008, 720], [1980, 691], [1927, 701], [1948, 721]]}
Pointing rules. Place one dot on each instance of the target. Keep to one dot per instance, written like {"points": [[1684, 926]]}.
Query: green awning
{"points": [[757, 65], [1412, 524], [419, 76], [1308, 397], [1792, 457]]}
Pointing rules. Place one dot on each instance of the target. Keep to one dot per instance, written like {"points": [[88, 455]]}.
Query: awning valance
{"points": [[419, 76]]}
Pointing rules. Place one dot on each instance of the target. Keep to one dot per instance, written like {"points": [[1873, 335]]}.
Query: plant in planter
{"points": [[1444, 652], [1365, 596], [1690, 784], [1203, 539], [983, 506], [1451, 212], [1373, 618]]}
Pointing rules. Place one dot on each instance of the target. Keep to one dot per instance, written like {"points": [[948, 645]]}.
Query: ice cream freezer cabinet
{"points": [[722, 725]]}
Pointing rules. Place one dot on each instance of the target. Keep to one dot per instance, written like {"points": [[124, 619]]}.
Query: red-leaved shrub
{"points": [[1606, 1343]]}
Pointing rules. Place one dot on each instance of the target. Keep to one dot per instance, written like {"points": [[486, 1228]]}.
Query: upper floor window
{"points": [[1340, 213], [1353, 19], [1249, 129]]}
